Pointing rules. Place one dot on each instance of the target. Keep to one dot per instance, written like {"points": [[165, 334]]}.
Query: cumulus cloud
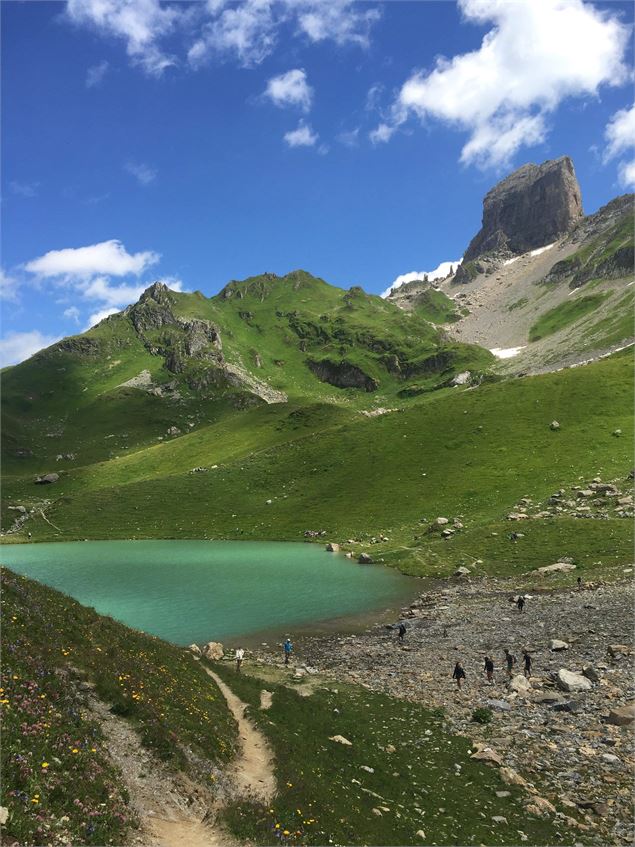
{"points": [[9, 286], [140, 24], [620, 139], [144, 174], [535, 55], [440, 272], [349, 138], [382, 133], [72, 313], [302, 136], [105, 258], [96, 73], [99, 316], [290, 89], [24, 189], [17, 346], [246, 31]]}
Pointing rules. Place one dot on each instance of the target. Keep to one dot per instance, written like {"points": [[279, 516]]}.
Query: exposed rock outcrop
{"points": [[535, 205], [342, 374]]}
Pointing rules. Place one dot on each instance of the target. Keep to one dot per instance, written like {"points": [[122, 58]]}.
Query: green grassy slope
{"points": [[471, 453], [287, 333], [57, 779], [327, 791]]}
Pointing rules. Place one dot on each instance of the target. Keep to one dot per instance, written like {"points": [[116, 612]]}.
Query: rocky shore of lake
{"points": [[566, 733]]}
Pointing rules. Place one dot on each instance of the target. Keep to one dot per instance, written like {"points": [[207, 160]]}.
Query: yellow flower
{"points": [[286, 832], [277, 826], [45, 764], [74, 750]]}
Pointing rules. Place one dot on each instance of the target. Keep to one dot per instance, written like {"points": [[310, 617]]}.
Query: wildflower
{"points": [[74, 750], [45, 764], [286, 832]]}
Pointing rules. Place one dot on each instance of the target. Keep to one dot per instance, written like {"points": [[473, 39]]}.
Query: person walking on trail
{"points": [[459, 674], [526, 664], [288, 649], [240, 655], [402, 631], [520, 603], [489, 669], [511, 661]]}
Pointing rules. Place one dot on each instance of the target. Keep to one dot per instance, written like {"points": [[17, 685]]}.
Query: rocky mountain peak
{"points": [[533, 206], [159, 292]]}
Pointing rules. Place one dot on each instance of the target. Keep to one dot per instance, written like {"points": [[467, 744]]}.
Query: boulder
{"points": [[511, 777], [520, 685], [570, 681], [47, 479], [590, 673], [332, 547], [441, 521], [462, 571], [617, 650], [540, 807], [4, 815], [365, 559], [194, 648], [556, 645], [339, 739], [554, 426], [623, 716], [487, 755], [213, 650], [557, 567]]}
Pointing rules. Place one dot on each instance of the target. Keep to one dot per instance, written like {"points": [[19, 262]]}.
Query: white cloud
{"points": [[141, 24], [24, 189], [536, 55], [620, 138], [17, 346], [440, 272], [290, 89], [349, 138], [107, 257], [8, 287], [302, 136], [72, 313], [246, 31], [341, 21], [110, 295], [96, 73], [99, 316], [626, 173], [382, 133], [144, 174]]}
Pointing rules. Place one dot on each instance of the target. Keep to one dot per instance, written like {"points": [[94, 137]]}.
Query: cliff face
{"points": [[532, 207]]}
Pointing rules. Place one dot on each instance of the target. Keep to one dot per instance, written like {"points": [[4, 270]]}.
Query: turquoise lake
{"points": [[198, 591]]}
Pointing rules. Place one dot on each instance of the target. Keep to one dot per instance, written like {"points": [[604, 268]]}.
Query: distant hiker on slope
{"points": [[288, 649], [511, 661], [520, 603], [527, 664], [240, 655], [489, 669], [459, 674], [401, 631]]}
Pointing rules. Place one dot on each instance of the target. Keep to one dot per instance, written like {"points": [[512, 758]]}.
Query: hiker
{"points": [[489, 669], [401, 631], [240, 655], [288, 649], [511, 661], [520, 603], [579, 582], [459, 674], [527, 664]]}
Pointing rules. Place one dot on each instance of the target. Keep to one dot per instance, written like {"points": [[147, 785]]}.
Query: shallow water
{"points": [[198, 591]]}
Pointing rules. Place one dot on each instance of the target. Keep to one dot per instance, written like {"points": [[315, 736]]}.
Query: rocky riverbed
{"points": [[572, 748]]}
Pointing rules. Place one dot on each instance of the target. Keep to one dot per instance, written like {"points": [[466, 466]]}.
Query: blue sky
{"points": [[203, 142]]}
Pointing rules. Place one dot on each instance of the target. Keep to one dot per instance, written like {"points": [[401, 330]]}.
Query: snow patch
{"points": [[439, 272], [542, 249], [507, 352], [511, 261]]}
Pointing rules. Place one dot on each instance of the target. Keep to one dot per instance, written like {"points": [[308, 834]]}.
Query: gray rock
{"points": [[556, 645], [213, 650], [623, 716], [47, 479], [570, 681], [532, 207], [365, 559], [332, 547], [590, 673]]}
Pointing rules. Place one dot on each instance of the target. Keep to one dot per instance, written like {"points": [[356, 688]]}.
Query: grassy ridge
{"points": [[56, 774], [470, 453], [365, 794]]}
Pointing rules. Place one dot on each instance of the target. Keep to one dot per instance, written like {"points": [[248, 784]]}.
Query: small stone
{"points": [[4, 815], [499, 818], [556, 645], [420, 834], [554, 425], [376, 812], [339, 739], [365, 559], [367, 769], [610, 758], [623, 716], [332, 547], [487, 755]]}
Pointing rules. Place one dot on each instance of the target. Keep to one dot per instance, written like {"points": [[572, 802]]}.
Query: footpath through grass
{"points": [[57, 780], [403, 774]]}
